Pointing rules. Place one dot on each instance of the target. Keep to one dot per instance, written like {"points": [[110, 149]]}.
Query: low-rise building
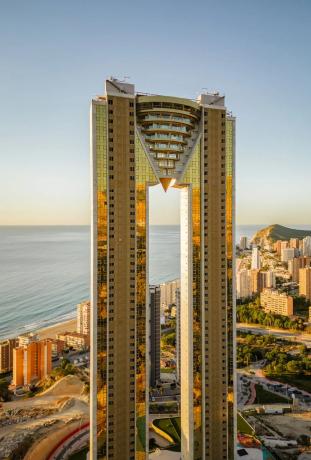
{"points": [[27, 338], [277, 302], [74, 340], [57, 347]]}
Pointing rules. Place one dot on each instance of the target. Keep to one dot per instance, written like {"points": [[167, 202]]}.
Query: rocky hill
{"points": [[278, 232]]}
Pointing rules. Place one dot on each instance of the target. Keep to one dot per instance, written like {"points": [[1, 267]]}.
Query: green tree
{"points": [[5, 393]]}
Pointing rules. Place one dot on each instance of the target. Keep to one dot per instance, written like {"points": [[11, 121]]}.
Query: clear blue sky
{"points": [[56, 54]]}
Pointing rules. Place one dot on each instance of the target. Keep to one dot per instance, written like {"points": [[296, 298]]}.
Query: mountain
{"points": [[278, 232]]}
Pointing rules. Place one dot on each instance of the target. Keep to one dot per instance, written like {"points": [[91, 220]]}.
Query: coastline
{"points": [[50, 332]]}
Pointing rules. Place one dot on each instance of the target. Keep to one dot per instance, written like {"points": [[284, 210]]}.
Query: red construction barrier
{"points": [[69, 435]]}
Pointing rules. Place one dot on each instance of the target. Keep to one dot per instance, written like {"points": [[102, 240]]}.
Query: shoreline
{"points": [[49, 332]]}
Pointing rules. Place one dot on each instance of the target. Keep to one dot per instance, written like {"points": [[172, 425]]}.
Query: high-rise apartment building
{"points": [[287, 254], [258, 281], [155, 335], [168, 292], [306, 246], [83, 317], [295, 264], [255, 258], [243, 242], [243, 284], [6, 355], [270, 279], [32, 362], [138, 141], [294, 243], [305, 282]]}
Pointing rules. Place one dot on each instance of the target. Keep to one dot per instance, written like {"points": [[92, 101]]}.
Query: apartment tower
{"points": [[138, 141]]}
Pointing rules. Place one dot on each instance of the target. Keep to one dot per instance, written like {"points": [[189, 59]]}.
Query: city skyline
{"points": [[259, 60]]}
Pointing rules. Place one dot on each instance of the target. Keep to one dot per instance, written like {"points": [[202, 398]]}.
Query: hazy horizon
{"points": [[58, 54]]}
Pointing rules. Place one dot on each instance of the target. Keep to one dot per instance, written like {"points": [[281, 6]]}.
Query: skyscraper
{"points": [[155, 334], [83, 317], [306, 244], [255, 258], [305, 282], [138, 141], [243, 242]]}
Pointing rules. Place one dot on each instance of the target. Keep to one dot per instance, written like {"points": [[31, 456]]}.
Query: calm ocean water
{"points": [[44, 271]]}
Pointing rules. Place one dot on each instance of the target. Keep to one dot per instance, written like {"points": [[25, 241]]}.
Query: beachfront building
{"points": [[155, 335], [74, 340], [277, 302], [32, 362], [6, 355], [139, 141], [27, 338], [84, 317]]}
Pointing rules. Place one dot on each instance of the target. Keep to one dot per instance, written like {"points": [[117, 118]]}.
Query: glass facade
{"points": [[101, 170], [144, 177], [140, 141], [230, 212]]}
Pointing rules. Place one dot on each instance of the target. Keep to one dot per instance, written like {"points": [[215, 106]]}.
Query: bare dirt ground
{"points": [[26, 422], [291, 425]]}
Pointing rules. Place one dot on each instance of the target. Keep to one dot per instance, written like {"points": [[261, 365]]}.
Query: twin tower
{"points": [[139, 141]]}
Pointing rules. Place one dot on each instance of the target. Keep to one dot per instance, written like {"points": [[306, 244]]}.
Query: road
{"points": [[287, 335]]}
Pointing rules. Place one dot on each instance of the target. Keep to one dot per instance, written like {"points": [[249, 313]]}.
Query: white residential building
{"points": [[255, 258], [83, 317]]}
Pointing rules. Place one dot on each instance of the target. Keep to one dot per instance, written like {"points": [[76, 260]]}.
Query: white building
{"points": [[168, 293], [26, 339], [255, 258], [306, 246], [244, 287], [83, 317], [287, 254]]}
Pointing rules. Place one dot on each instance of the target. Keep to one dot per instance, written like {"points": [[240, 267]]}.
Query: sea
{"points": [[45, 271]]}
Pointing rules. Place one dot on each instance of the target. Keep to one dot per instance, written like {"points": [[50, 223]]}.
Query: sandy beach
{"points": [[51, 331]]}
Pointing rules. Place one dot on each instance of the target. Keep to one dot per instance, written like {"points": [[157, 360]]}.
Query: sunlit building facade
{"points": [[139, 141]]}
